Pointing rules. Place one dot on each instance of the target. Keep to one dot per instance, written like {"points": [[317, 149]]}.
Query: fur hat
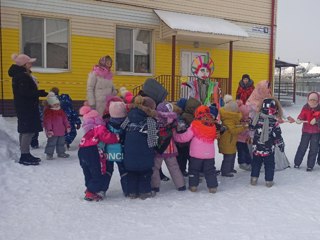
{"points": [[149, 102], [227, 98], [52, 99], [231, 106], [117, 110], [91, 117], [22, 59]]}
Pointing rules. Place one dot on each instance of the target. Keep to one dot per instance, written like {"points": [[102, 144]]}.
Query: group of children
{"points": [[140, 133]]}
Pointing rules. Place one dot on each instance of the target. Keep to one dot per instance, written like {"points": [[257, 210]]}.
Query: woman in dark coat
{"points": [[26, 101]]}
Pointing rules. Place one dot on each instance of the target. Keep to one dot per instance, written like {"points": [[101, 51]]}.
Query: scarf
{"points": [[205, 133], [265, 127], [102, 72]]}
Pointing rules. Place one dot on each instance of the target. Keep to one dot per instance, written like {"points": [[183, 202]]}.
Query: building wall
{"points": [[92, 34]]}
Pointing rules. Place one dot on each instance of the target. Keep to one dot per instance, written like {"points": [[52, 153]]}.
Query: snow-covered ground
{"points": [[45, 202]]}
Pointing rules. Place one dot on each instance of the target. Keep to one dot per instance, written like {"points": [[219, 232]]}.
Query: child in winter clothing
{"points": [[140, 140], [115, 153], [310, 132], [246, 87], [188, 107], [166, 149], [267, 134], [92, 159], [73, 117], [201, 133], [227, 143], [56, 124]]}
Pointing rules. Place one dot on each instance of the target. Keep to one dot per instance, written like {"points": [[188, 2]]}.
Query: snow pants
{"points": [[307, 139], [139, 182], [269, 166], [89, 159], [174, 171], [206, 166], [244, 155]]}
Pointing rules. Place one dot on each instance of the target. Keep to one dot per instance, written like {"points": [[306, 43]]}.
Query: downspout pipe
{"points": [[271, 50]]}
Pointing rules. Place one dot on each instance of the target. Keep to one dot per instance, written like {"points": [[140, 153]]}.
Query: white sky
{"points": [[298, 36]]}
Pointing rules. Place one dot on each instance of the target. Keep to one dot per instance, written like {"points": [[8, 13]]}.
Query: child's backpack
{"points": [[114, 151]]}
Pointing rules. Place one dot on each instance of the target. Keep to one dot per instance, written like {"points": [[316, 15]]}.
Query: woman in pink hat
{"points": [[26, 101]]}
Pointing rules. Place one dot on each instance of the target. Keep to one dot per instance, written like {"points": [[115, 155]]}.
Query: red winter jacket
{"points": [[307, 114]]}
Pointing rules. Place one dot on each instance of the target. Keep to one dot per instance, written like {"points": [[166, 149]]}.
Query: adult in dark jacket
{"points": [[26, 101], [245, 88]]}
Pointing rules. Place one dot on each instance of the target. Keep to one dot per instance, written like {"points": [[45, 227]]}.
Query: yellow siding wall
{"points": [[85, 52], [254, 64]]}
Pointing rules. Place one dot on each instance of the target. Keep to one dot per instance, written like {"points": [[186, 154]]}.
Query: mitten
{"points": [[78, 126], [313, 121], [49, 134]]}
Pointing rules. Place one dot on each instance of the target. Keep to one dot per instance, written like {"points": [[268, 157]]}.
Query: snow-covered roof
{"points": [[314, 70], [202, 24]]}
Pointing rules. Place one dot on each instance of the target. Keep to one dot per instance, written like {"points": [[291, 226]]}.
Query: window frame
{"points": [[125, 73], [45, 18]]}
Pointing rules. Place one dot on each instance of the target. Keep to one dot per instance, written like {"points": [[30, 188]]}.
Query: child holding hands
{"points": [[92, 159], [201, 133]]}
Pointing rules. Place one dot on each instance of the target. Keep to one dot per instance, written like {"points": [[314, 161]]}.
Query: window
{"points": [[46, 39], [133, 50]]}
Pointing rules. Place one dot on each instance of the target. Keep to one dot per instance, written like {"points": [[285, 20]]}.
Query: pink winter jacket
{"points": [[98, 134], [55, 121], [198, 148]]}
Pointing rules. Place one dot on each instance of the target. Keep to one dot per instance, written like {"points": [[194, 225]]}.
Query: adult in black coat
{"points": [[26, 101]]}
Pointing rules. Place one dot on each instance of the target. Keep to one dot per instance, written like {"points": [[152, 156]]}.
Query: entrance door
{"points": [[186, 61]]}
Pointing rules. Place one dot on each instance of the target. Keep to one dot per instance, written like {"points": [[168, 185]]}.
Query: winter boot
{"points": [[212, 190], [193, 189], [63, 155], [182, 188], [25, 159], [35, 158], [92, 197], [254, 181], [309, 169], [144, 196], [49, 157], [269, 183], [227, 175], [132, 196], [244, 166]]}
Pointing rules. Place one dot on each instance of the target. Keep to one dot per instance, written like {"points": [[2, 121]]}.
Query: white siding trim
{"points": [[86, 10]]}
